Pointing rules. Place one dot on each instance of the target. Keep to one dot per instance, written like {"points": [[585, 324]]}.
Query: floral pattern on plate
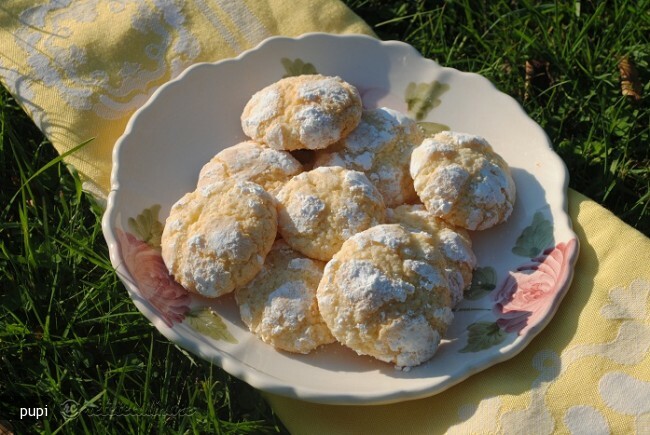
{"points": [[152, 278], [142, 259], [528, 294], [388, 74]]}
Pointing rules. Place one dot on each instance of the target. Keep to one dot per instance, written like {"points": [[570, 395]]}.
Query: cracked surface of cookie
{"points": [[461, 179], [216, 237], [250, 161], [279, 305], [454, 244], [385, 294], [302, 112], [318, 210], [380, 147]]}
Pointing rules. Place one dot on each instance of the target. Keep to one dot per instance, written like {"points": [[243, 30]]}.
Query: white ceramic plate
{"points": [[524, 266]]}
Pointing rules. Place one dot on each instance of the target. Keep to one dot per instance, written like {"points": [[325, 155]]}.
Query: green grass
{"points": [[603, 137], [69, 333], [68, 330]]}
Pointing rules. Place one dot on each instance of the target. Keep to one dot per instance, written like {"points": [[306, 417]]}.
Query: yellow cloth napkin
{"points": [[80, 68]]}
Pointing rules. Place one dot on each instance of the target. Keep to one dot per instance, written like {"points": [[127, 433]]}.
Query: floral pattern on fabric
{"points": [[621, 394], [64, 59]]}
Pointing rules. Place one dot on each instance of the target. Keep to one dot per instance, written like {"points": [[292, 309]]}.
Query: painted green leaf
{"points": [[422, 97], [534, 238], [431, 128], [147, 226], [297, 67], [209, 323], [484, 280], [483, 335]]}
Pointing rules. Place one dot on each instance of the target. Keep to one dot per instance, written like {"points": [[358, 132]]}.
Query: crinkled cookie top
{"points": [[216, 237], [453, 243], [461, 179], [318, 210], [380, 147], [279, 305], [302, 112], [385, 294], [250, 161]]}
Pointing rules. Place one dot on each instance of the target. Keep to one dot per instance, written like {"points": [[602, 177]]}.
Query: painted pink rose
{"points": [[528, 294], [152, 278]]}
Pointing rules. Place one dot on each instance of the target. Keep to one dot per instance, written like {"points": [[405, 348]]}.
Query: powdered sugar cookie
{"points": [[216, 237], [279, 305], [318, 210], [250, 161], [385, 294], [453, 243], [302, 112], [380, 147], [461, 179]]}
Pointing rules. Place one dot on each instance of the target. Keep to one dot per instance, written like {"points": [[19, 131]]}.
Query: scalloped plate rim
{"points": [[264, 380]]}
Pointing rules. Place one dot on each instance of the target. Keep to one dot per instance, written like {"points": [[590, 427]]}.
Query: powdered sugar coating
{"points": [[461, 179], [319, 209], [385, 294], [217, 236], [380, 147], [302, 112], [453, 243], [250, 161], [279, 305]]}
